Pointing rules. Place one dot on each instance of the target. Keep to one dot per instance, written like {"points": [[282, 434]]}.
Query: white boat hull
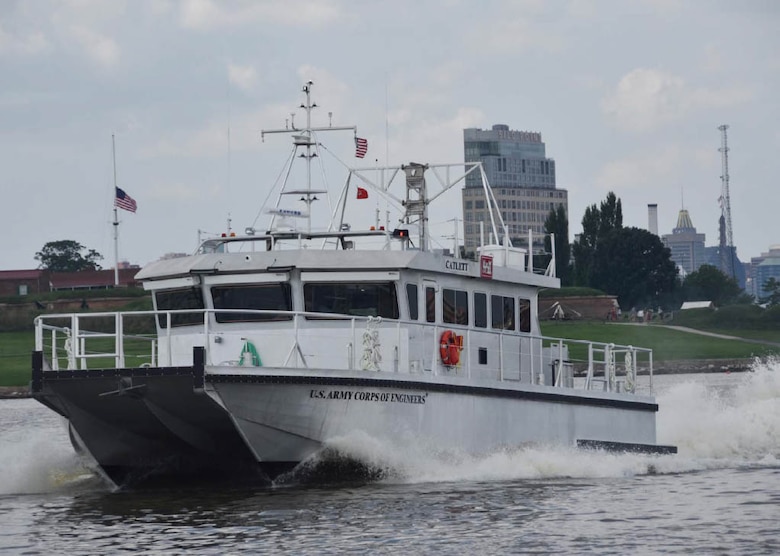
{"points": [[287, 417]]}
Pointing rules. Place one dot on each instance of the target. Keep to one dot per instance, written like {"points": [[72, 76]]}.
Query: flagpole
{"points": [[116, 218]]}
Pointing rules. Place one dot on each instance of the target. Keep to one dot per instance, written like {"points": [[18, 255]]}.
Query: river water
{"points": [[719, 495]]}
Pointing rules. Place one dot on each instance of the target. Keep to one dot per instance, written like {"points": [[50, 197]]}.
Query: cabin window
{"points": [[455, 307], [369, 299], [524, 307], [411, 298], [430, 304], [502, 311], [173, 300], [480, 310], [264, 297]]}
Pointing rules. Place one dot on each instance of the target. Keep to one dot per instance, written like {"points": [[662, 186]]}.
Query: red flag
{"points": [[361, 147], [362, 193]]}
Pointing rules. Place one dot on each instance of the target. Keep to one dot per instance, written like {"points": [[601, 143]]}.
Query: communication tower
{"points": [[726, 237]]}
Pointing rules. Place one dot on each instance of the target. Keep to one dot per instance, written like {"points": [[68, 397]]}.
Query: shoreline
{"points": [[14, 392], [687, 366]]}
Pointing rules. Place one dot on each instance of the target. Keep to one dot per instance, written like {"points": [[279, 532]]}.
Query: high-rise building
{"points": [[762, 269], [686, 245], [522, 179]]}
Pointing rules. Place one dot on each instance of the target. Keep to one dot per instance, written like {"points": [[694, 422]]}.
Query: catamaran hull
{"points": [[141, 424], [287, 418]]}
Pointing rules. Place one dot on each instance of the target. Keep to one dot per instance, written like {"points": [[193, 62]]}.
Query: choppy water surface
{"points": [[719, 495]]}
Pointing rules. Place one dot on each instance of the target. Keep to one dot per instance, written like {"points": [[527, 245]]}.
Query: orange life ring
{"points": [[449, 348]]}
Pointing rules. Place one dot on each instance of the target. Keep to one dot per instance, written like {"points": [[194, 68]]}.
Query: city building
{"points": [[522, 180], [762, 269], [686, 245], [716, 255]]}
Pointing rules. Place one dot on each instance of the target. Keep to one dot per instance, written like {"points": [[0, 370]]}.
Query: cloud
{"points": [[206, 15], [656, 169], [431, 138], [100, 48], [91, 25], [646, 99], [647, 169], [516, 34], [29, 43], [211, 139], [243, 77], [180, 192]]}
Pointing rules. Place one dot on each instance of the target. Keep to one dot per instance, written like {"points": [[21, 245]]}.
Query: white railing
{"points": [[317, 340]]}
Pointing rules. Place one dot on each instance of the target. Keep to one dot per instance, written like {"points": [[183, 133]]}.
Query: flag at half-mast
{"points": [[361, 147], [124, 201]]}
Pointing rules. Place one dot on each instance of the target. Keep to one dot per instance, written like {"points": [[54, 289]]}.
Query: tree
{"points": [[611, 214], [634, 265], [596, 224], [558, 223], [772, 287], [66, 256], [710, 284]]}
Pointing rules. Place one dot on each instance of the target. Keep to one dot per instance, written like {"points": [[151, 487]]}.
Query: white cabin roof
{"points": [[334, 260]]}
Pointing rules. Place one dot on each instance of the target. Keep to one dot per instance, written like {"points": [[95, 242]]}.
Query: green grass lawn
{"points": [[16, 357], [667, 345], [765, 335]]}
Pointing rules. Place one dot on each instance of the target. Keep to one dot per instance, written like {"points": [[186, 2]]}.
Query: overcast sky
{"points": [[628, 97]]}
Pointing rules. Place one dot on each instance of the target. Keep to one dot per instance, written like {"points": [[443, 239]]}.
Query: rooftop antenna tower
{"points": [[727, 250]]}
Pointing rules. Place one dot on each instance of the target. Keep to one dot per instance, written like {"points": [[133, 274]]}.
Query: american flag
{"points": [[124, 201], [361, 147]]}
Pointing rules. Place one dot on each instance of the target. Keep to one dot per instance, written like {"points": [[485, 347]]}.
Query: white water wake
{"points": [[722, 427], [35, 454]]}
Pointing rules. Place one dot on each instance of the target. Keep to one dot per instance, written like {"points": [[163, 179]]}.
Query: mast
{"points": [[304, 138], [116, 217]]}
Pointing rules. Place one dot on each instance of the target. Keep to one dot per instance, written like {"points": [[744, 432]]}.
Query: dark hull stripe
{"points": [[433, 387]]}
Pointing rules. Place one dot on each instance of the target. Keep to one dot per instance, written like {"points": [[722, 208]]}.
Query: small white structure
{"points": [[697, 305]]}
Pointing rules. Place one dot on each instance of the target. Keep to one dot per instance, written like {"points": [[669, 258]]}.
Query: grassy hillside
{"points": [[667, 344]]}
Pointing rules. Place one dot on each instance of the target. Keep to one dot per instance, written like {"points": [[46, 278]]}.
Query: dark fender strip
{"points": [[429, 387]]}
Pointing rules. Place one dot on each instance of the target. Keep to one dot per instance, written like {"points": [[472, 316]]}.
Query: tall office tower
{"points": [[686, 245], [522, 179]]}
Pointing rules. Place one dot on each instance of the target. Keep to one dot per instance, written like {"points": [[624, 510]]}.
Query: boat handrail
{"points": [[602, 366]]}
